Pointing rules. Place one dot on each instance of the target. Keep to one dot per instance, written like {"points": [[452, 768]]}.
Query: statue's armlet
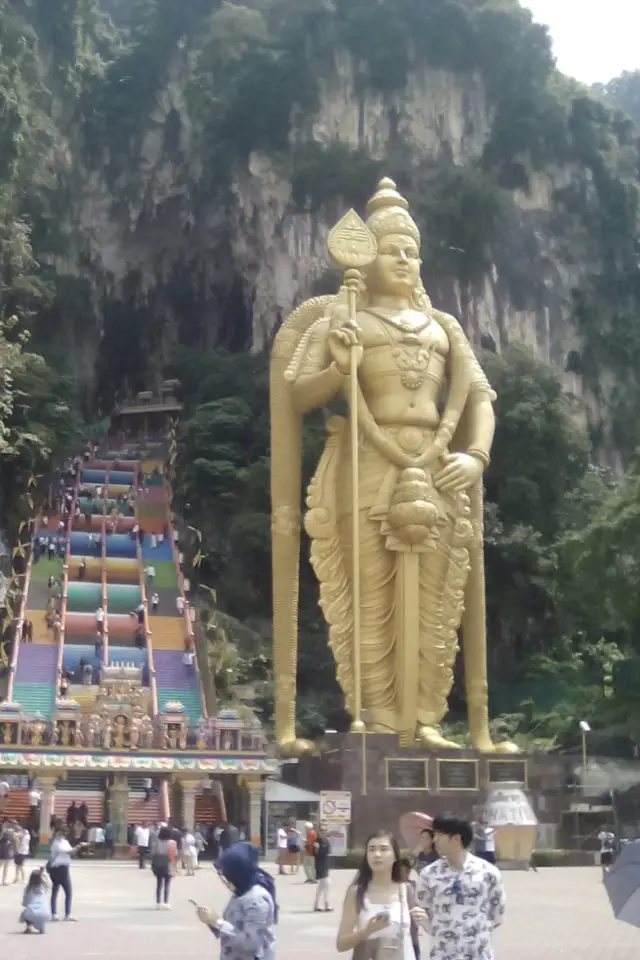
{"points": [[474, 433], [314, 378], [478, 379]]}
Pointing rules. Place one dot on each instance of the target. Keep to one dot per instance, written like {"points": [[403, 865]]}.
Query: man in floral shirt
{"points": [[462, 895]]}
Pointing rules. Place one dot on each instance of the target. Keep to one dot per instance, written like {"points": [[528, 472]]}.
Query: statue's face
{"points": [[396, 269]]}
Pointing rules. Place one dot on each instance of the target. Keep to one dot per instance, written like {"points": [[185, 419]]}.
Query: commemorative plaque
{"points": [[406, 774], [457, 775]]}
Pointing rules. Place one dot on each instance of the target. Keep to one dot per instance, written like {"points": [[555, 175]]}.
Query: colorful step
{"points": [[141, 811], [35, 697], [83, 597], [172, 672], [167, 633], [122, 597], [93, 799], [118, 654], [17, 806], [208, 810], [190, 700], [121, 545], [37, 663], [74, 652], [161, 552], [85, 696], [41, 632]]}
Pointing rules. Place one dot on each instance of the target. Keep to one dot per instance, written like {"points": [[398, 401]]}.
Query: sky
{"points": [[593, 41]]}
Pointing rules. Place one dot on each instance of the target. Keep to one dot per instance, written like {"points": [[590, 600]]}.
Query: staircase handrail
{"points": [[103, 570], [143, 597], [187, 606], [17, 630], [65, 581]]}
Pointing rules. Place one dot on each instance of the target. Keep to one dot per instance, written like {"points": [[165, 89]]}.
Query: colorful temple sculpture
{"points": [[104, 690]]}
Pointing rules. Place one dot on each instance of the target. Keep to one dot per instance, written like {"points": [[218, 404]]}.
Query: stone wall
{"points": [[550, 782]]}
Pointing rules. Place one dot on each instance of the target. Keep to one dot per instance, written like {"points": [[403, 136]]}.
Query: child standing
{"points": [[35, 909]]}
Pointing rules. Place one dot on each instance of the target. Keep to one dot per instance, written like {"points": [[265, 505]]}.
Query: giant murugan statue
{"points": [[398, 553]]}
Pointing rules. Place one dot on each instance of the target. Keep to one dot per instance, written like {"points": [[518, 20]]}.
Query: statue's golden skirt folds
{"points": [[414, 565]]}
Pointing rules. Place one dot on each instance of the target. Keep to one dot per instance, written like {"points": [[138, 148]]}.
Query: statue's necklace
{"points": [[411, 355], [410, 331]]}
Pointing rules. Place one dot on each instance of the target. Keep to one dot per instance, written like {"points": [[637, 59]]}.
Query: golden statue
{"points": [[65, 733], [119, 731], [396, 586]]}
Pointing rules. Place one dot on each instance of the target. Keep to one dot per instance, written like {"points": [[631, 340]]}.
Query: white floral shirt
{"points": [[463, 907]]}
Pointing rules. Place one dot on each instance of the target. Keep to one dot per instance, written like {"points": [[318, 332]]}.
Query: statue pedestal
{"points": [[386, 780]]}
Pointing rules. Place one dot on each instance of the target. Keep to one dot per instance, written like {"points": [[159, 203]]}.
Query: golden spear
{"points": [[352, 247]]}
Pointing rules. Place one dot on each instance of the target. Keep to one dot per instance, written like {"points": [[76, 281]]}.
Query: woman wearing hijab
{"points": [[246, 928]]}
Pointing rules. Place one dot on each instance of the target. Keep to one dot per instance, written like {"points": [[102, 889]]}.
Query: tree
{"points": [[38, 416], [623, 92]]}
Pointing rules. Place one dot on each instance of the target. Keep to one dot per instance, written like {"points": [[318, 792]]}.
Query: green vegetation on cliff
{"points": [[556, 624]]}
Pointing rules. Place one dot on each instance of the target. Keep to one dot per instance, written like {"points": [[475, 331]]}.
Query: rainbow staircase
{"points": [[110, 565], [34, 687]]}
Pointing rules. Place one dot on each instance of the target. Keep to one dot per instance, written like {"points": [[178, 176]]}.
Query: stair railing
{"points": [[17, 630], [189, 634], [103, 571], [65, 582], [143, 597]]}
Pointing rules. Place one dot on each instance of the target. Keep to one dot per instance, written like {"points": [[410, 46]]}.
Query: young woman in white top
{"points": [[23, 845], [189, 853], [58, 866], [378, 909]]}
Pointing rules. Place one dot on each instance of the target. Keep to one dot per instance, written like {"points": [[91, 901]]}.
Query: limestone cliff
{"points": [[246, 264], [198, 218]]}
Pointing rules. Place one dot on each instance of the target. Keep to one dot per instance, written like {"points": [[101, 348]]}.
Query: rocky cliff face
{"points": [[161, 258]]}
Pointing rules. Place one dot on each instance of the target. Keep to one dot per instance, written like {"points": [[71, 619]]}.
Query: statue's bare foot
{"points": [[431, 737], [296, 748], [485, 744]]}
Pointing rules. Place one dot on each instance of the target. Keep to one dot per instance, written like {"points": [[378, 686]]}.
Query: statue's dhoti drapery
{"points": [[414, 565]]}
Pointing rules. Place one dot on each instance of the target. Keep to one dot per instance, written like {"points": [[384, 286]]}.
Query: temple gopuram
{"points": [[105, 704]]}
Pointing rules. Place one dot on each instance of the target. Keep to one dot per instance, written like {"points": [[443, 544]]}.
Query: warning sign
{"points": [[335, 806]]}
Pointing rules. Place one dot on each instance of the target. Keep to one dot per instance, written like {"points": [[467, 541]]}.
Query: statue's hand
{"points": [[459, 472], [342, 341]]}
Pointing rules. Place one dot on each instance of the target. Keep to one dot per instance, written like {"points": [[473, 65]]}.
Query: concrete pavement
{"points": [[556, 914]]}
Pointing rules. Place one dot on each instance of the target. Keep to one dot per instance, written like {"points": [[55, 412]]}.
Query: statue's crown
{"points": [[386, 196], [388, 212]]}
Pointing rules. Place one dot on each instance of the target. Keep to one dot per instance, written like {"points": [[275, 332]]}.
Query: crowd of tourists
{"points": [[457, 896], [442, 887]]}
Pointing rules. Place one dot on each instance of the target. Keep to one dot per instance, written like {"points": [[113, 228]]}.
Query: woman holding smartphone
{"points": [[379, 909], [246, 928]]}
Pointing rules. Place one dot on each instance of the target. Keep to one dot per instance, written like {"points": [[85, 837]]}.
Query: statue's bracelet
{"points": [[480, 455], [337, 373]]}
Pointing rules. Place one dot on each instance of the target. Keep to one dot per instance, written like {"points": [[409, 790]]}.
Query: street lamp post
{"points": [[584, 730]]}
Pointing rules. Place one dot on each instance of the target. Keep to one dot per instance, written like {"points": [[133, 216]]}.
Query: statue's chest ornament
{"points": [[410, 353]]}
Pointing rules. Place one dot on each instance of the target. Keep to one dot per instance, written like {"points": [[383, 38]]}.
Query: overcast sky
{"points": [[592, 41]]}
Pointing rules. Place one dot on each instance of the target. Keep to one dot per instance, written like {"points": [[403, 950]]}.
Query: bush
{"points": [[541, 858], [563, 858]]}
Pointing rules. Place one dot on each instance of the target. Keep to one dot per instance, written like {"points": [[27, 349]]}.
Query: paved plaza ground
{"points": [[556, 914]]}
